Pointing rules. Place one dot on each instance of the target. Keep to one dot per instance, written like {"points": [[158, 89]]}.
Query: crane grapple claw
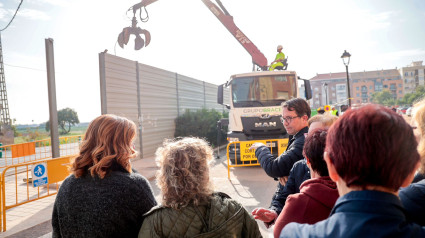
{"points": [[138, 42], [124, 37], [147, 36]]}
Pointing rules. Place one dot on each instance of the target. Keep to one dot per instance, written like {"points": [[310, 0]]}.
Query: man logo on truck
{"points": [[265, 124]]}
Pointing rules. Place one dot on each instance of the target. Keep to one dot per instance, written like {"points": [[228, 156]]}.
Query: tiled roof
{"points": [[329, 76]]}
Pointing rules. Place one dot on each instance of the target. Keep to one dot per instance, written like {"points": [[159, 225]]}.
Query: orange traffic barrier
{"points": [[24, 149], [37, 150], [18, 183], [239, 154]]}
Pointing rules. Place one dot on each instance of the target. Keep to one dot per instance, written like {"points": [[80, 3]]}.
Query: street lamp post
{"points": [[325, 85], [346, 60]]}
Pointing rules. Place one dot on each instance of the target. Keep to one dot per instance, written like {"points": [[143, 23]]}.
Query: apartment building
{"points": [[328, 89], [331, 89], [413, 75], [364, 84]]}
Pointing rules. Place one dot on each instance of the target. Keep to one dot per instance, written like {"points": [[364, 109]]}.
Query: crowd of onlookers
{"points": [[357, 175]]}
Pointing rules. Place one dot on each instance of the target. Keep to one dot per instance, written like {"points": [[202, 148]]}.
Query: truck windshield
{"points": [[261, 91]]}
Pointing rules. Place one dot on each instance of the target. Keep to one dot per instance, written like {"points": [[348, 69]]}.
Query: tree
{"points": [[411, 98], [385, 98], [200, 123], [67, 118], [13, 126]]}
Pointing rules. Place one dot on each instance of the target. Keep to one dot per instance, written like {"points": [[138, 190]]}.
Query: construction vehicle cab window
{"points": [[254, 91]]}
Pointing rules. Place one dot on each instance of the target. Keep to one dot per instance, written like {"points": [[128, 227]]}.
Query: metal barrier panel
{"points": [[17, 188], [69, 145], [58, 169], [239, 154], [37, 150], [23, 149]]}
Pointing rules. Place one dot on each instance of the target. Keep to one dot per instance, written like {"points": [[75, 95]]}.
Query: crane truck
{"points": [[255, 97]]}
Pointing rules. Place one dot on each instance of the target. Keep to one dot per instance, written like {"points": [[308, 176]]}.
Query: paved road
{"points": [[248, 185]]}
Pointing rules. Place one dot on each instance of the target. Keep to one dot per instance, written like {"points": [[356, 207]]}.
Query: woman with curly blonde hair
{"points": [[189, 206], [413, 197], [103, 197], [419, 129]]}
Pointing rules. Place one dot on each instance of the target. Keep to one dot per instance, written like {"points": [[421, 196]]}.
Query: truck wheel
{"points": [[234, 158]]}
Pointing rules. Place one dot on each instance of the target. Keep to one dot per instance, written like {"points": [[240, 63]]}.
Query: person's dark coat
{"points": [[418, 177], [299, 173], [313, 204], [362, 214], [109, 207], [221, 217], [413, 200], [282, 165]]}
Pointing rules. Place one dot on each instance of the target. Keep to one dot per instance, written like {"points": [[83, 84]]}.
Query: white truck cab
{"points": [[255, 104]]}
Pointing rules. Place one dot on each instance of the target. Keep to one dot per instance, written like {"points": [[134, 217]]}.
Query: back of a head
{"points": [[372, 146], [299, 105], [183, 176], [314, 147], [107, 143], [326, 119], [419, 118]]}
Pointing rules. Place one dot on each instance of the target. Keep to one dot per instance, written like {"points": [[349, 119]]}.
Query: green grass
{"points": [[38, 133]]}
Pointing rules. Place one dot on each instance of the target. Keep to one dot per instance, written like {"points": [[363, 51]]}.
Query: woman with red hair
{"points": [[370, 153], [103, 197], [317, 195]]}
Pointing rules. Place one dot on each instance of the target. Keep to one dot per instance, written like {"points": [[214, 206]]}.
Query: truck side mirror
{"points": [[307, 86], [220, 94]]}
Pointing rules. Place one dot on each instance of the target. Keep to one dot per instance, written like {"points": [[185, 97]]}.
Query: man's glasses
{"points": [[287, 119]]}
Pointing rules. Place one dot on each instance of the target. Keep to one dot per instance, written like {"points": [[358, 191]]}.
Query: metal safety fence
{"points": [[19, 185], [37, 150], [239, 153]]}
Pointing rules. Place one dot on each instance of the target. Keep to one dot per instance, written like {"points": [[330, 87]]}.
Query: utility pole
{"points": [[4, 105], [6, 133], [53, 111]]}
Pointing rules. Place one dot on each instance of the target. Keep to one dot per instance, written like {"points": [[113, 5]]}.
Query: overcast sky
{"points": [[188, 39]]}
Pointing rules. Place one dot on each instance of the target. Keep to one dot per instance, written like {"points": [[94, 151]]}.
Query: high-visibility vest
{"points": [[280, 56], [334, 112]]}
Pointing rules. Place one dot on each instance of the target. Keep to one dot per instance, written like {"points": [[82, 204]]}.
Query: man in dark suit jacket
{"points": [[295, 115]]}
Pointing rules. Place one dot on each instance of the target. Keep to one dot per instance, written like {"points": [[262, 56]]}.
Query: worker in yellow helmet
{"points": [[335, 111], [320, 110], [280, 57]]}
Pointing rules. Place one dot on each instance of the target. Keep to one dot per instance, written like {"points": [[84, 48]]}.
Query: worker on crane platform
{"points": [[279, 61]]}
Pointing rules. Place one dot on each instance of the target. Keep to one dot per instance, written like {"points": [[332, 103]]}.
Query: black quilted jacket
{"points": [[222, 217]]}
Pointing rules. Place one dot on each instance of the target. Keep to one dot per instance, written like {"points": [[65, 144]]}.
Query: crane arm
{"points": [[141, 4], [226, 19], [222, 15]]}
